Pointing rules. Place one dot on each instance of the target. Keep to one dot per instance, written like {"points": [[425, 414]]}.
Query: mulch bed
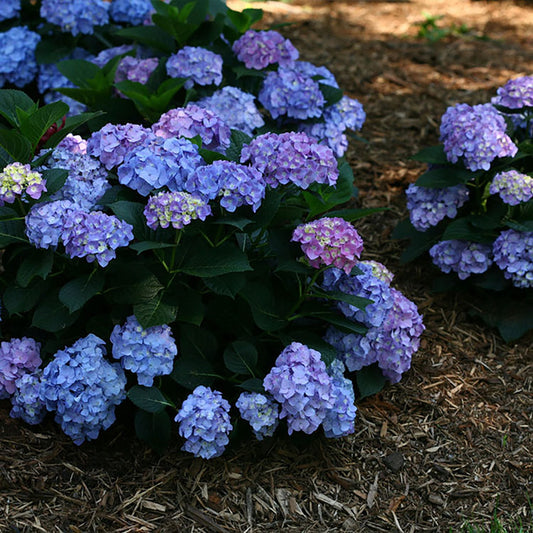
{"points": [[451, 443]]}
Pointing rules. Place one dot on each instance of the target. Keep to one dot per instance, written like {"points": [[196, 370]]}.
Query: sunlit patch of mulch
{"points": [[453, 442]]}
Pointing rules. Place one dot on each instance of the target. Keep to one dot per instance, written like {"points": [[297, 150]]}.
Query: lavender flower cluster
{"points": [[260, 411], [17, 50], [134, 69], [513, 253], [19, 181], [132, 12], [199, 65], [512, 187], [17, 357], [462, 257], [76, 16], [515, 94]]}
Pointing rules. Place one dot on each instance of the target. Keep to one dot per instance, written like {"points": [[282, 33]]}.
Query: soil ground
{"points": [[451, 444]]}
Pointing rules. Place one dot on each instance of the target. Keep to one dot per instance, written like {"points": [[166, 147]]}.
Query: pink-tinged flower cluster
{"points": [[512, 187], [175, 208], [330, 241], [19, 181], [133, 69]]}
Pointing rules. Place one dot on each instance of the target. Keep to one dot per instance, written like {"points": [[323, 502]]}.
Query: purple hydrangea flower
{"points": [[291, 158], [159, 162], [512, 186], [45, 222], [191, 121], [95, 236], [260, 412], [132, 12], [17, 357], [477, 134], [300, 383], [427, 207], [513, 253], [19, 181], [17, 50], [340, 419], [199, 65], [235, 107], [258, 49], [76, 16], [133, 69], [329, 241], [146, 352], [9, 9], [326, 77], [515, 94], [234, 184], [204, 422], [464, 258], [83, 388], [175, 208], [73, 143], [379, 270], [112, 142], [26, 401], [354, 350], [109, 53]]}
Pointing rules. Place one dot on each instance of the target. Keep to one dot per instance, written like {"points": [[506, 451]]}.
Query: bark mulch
{"points": [[451, 444]]}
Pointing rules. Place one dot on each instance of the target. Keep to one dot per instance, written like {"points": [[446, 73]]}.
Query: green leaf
{"points": [[155, 311], [132, 213], [332, 95], [22, 299], [340, 322], [71, 124], [10, 100], [190, 371], [350, 299], [53, 48], [370, 380], [446, 176], [252, 385], [37, 124], [38, 263], [16, 146], [12, 231], [268, 308], [432, 154], [84, 74], [463, 230], [226, 285], [189, 303], [241, 357], [352, 215], [144, 246], [151, 36], [154, 428], [243, 20], [51, 315], [237, 140], [55, 179], [149, 399], [76, 293]]}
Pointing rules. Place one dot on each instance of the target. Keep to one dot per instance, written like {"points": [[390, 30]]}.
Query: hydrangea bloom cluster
{"points": [[133, 69], [340, 419], [326, 77], [515, 94], [26, 401], [132, 12], [159, 162], [291, 158], [198, 65], [260, 412], [300, 383], [329, 241], [233, 184], [347, 113], [235, 107], [512, 186], [76, 16], [19, 181], [113, 141], [146, 352], [83, 388], [475, 133], [17, 357], [191, 121], [204, 422], [513, 253], [109, 53], [17, 50], [95, 236], [379, 270], [258, 49], [463, 257], [9, 9], [287, 92], [428, 206], [73, 143], [45, 222], [175, 208]]}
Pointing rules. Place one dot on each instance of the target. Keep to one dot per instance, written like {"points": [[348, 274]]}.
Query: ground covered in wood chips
{"points": [[451, 444]]}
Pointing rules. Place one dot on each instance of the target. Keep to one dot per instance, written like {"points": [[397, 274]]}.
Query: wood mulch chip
{"points": [[452, 442]]}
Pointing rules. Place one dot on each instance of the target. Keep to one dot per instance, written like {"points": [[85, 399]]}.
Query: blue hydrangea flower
{"points": [[427, 206], [133, 69], [475, 134], [235, 107], [379, 270], [515, 94], [464, 258], [260, 412], [191, 121], [199, 65], [300, 383], [159, 162], [513, 253], [26, 401], [20, 181], [354, 350], [133, 12], [17, 357], [17, 50], [175, 208], [146, 352], [112, 142], [109, 53], [76, 16], [9, 9], [291, 158], [204, 423], [258, 49], [512, 187], [73, 143], [233, 184], [95, 236], [340, 419], [324, 75], [83, 389], [45, 222]]}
